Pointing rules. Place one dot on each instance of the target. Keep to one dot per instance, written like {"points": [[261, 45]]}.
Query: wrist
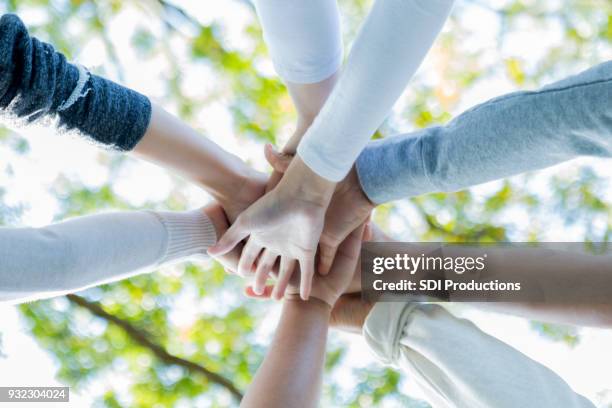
{"points": [[312, 305], [237, 188], [352, 186], [217, 217], [304, 184], [303, 123]]}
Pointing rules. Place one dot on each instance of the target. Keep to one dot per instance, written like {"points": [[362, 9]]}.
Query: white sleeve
{"points": [[303, 37], [390, 47], [88, 251], [458, 365]]}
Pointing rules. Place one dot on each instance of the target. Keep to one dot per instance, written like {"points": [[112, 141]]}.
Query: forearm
{"points": [[110, 114], [558, 286], [503, 137], [305, 44], [96, 249], [292, 371], [171, 143], [387, 52], [308, 100]]}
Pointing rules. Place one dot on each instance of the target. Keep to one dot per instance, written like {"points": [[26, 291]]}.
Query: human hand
{"points": [[219, 219], [349, 208], [330, 287], [285, 223], [250, 187]]}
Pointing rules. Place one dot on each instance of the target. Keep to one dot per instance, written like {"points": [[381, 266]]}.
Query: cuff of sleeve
{"points": [[108, 113], [310, 76], [317, 162], [394, 168], [189, 233], [384, 327]]}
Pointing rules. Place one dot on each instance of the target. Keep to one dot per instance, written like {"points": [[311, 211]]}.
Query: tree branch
{"points": [[143, 338]]}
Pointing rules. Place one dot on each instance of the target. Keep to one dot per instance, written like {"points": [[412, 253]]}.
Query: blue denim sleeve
{"points": [[37, 82], [505, 136]]}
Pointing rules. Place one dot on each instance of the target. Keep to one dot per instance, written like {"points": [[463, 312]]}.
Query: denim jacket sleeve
{"points": [[37, 82]]}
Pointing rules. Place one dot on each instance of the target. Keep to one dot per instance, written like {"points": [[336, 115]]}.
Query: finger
{"points": [[232, 237], [326, 257], [266, 262], [306, 275], [250, 252], [279, 161], [284, 275], [367, 232], [267, 293]]}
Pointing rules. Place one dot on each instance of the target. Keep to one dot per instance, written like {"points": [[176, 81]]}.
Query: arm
{"points": [[292, 372], [171, 143], [92, 250], [305, 44], [306, 47], [453, 360], [559, 286], [503, 137], [358, 104], [387, 52], [37, 82]]}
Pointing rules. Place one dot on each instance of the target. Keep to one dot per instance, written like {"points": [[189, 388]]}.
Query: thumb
{"points": [[279, 161], [232, 237]]}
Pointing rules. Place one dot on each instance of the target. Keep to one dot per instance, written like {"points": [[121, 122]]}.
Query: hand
{"points": [[285, 223], [249, 190], [218, 217], [330, 287], [251, 187], [349, 208]]}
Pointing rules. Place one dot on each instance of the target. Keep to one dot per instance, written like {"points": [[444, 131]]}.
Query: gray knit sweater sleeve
{"points": [[37, 82], [87, 251]]}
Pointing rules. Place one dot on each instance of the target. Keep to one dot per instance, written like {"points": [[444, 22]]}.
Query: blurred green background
{"points": [[186, 336]]}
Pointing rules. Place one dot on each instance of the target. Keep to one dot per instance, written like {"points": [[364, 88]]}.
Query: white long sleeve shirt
{"points": [[458, 365], [87, 251], [304, 40]]}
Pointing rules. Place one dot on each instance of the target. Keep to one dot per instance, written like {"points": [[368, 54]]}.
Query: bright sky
{"points": [[586, 367]]}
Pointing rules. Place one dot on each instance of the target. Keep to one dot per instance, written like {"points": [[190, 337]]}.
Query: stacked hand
{"points": [[285, 223], [291, 221], [348, 209], [341, 288], [328, 288]]}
